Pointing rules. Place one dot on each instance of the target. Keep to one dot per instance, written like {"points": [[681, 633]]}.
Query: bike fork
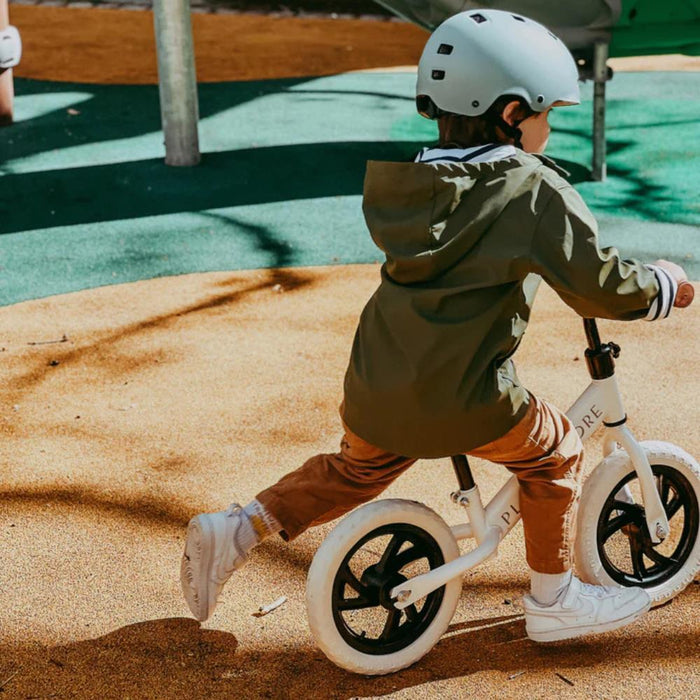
{"points": [[654, 512]]}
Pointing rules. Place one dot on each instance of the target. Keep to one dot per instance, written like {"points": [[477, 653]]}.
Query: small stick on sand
{"points": [[515, 675], [265, 609], [64, 339], [564, 678], [6, 681]]}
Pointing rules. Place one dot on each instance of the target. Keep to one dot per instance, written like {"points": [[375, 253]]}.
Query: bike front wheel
{"points": [[613, 544], [372, 550]]}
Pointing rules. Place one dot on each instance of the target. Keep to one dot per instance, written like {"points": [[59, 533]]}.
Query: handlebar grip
{"points": [[685, 295]]}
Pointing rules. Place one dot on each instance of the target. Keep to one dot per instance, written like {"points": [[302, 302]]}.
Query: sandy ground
{"points": [[118, 46], [178, 395]]}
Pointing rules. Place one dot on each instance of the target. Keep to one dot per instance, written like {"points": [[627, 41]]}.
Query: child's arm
{"points": [[595, 282]]}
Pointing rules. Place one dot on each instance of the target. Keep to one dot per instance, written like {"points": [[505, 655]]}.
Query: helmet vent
{"points": [[445, 49], [438, 75], [478, 18], [520, 19]]}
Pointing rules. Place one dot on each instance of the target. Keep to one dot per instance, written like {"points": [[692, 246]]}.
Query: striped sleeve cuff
{"points": [[668, 288]]}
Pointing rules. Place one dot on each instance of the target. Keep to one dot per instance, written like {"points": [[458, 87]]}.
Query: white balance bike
{"points": [[385, 583]]}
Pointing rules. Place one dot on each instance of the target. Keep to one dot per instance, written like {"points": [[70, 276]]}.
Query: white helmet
{"points": [[475, 57]]}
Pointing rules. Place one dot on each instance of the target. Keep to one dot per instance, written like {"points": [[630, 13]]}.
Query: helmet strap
{"points": [[494, 115], [510, 130]]}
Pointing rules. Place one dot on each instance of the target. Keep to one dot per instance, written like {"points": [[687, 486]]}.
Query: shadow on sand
{"points": [[176, 658]]}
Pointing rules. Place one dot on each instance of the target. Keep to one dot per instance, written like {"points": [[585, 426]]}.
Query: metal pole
{"points": [[177, 80], [600, 76], [7, 92]]}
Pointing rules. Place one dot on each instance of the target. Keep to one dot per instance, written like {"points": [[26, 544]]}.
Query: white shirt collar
{"points": [[476, 154]]}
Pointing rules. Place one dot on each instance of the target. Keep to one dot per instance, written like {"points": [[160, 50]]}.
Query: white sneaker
{"points": [[212, 554], [581, 609]]}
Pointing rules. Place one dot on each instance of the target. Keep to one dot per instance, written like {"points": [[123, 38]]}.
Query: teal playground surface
{"points": [[86, 199]]}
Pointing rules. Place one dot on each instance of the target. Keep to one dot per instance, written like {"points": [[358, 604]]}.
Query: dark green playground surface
{"points": [[86, 200]]}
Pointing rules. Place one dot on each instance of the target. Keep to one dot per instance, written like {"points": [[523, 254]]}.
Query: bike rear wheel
{"points": [[374, 549]]}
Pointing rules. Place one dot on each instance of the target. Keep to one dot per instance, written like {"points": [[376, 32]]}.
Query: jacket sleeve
{"points": [[594, 282]]}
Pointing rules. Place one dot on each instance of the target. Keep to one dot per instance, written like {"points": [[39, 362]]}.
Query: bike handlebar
{"points": [[592, 336]]}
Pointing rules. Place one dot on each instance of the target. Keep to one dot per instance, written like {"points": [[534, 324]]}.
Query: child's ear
{"points": [[511, 113]]}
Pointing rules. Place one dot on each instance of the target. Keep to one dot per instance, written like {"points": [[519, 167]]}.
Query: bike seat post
{"points": [[469, 498], [463, 472]]}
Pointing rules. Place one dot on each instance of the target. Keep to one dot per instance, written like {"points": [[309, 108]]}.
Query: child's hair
{"points": [[459, 130]]}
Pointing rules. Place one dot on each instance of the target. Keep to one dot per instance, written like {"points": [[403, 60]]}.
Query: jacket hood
{"points": [[426, 216]]}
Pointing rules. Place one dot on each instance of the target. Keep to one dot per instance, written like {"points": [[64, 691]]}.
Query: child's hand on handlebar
{"points": [[686, 292]]}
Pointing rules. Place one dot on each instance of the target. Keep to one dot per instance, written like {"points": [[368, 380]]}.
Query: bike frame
{"points": [[600, 404]]}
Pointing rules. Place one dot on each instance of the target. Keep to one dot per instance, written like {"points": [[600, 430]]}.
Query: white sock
{"points": [[545, 588], [257, 525]]}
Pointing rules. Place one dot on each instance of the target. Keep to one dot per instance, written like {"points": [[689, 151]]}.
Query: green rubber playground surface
{"points": [[86, 200]]}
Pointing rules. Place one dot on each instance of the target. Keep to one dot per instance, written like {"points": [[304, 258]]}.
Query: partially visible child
{"points": [[469, 229]]}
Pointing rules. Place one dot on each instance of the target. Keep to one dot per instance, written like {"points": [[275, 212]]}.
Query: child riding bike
{"points": [[469, 230]]}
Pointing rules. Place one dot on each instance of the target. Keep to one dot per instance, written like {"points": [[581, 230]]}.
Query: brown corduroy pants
{"points": [[543, 450]]}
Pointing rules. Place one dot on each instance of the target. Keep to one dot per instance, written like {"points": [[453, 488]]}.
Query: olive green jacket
{"points": [[466, 246]]}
